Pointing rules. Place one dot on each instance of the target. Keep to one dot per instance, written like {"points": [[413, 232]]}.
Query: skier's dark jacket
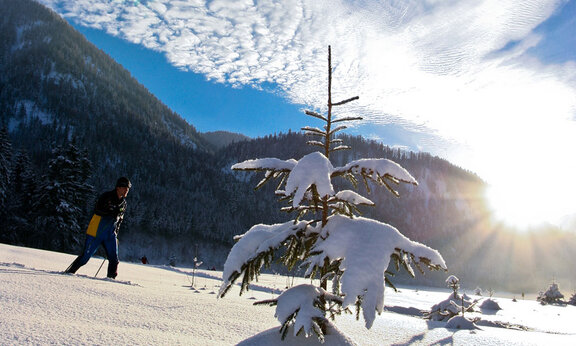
{"points": [[109, 209]]}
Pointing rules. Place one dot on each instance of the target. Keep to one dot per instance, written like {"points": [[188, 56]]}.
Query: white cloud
{"points": [[444, 67]]}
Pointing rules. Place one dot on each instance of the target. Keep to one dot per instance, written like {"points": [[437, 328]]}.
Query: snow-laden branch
{"points": [[314, 131], [341, 147], [302, 307], [316, 115], [301, 303], [347, 119], [270, 164], [317, 143], [314, 172], [346, 101], [376, 168], [259, 239], [365, 246], [339, 128], [353, 197], [312, 169]]}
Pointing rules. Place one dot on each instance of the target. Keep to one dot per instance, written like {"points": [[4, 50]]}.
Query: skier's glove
{"points": [[113, 209]]}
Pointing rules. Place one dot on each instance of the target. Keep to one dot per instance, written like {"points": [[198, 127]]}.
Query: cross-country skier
{"points": [[104, 226]]}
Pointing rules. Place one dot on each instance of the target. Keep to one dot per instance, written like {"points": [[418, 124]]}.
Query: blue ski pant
{"points": [[105, 236]]}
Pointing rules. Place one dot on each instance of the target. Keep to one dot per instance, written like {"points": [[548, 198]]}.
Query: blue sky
{"points": [[207, 105], [489, 85]]}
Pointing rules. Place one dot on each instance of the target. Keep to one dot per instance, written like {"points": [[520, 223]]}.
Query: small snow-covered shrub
{"points": [[551, 296], [453, 305], [490, 292], [450, 307], [478, 291], [572, 300]]}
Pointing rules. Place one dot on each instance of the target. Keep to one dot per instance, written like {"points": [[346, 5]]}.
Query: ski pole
{"points": [[70, 266], [95, 275]]}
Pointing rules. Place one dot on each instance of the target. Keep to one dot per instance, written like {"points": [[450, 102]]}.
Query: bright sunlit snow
{"points": [[155, 305]]}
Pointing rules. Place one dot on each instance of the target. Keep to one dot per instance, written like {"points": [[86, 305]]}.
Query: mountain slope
{"points": [[52, 71]]}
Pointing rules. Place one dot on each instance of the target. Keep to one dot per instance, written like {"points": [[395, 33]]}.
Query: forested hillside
{"points": [[57, 90], [72, 121], [220, 139]]}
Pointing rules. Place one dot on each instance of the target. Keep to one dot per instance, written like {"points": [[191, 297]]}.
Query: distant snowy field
{"points": [[155, 305]]}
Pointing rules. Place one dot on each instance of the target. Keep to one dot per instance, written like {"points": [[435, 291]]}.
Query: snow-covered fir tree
{"points": [[334, 243], [454, 283]]}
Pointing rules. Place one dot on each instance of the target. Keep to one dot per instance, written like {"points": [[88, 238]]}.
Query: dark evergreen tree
{"points": [[16, 225], [5, 171], [62, 198], [5, 168]]}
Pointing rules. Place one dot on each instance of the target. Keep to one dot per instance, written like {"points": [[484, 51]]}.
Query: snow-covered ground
{"points": [[155, 305]]}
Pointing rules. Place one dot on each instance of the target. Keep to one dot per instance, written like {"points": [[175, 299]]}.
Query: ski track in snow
{"points": [[22, 269]]}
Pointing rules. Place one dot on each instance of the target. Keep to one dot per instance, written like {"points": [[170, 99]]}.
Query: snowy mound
{"points": [[334, 337], [490, 304], [460, 322]]}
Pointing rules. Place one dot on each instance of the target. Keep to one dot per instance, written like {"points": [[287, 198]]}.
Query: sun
{"points": [[528, 187], [523, 208]]}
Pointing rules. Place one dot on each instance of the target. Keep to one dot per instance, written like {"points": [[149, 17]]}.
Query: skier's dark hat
{"points": [[123, 182]]}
